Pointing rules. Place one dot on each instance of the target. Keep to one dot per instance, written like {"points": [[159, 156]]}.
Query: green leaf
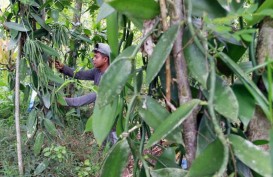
{"points": [[16, 26], [161, 52], [60, 99], [38, 143], [51, 76], [112, 33], [50, 127], [231, 6], [143, 9], [34, 79], [55, 14], [209, 161], [166, 159], [113, 81], [172, 122], [225, 100], [154, 114], [267, 4], [41, 167], [251, 155], [246, 103], [88, 126], [168, 172], [251, 87], [201, 7], [116, 160], [103, 120], [105, 11], [127, 53], [48, 50], [31, 123], [196, 61], [206, 134], [46, 100], [41, 22]]}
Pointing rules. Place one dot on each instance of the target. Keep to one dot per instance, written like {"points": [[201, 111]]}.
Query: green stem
{"points": [[129, 111], [270, 94]]}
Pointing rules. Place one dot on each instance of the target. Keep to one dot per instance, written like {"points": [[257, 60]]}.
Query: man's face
{"points": [[100, 60]]}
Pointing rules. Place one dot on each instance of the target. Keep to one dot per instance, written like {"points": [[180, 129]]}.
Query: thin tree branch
{"points": [[17, 110], [190, 125], [163, 11]]}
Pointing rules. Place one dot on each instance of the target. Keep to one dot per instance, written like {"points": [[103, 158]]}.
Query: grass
{"points": [[82, 157]]}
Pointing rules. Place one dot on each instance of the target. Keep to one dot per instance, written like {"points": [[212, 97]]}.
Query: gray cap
{"points": [[102, 48]]}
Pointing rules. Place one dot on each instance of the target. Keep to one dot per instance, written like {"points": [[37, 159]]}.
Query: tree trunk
{"points": [[259, 126], [189, 126], [17, 110]]}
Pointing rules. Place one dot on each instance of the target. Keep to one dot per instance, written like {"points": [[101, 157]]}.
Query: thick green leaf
{"points": [[41, 22], [31, 123], [166, 159], [51, 76], [46, 100], [246, 103], [49, 50], [113, 81], [225, 100], [206, 134], [161, 52], [103, 120], [154, 114], [105, 11], [88, 126], [251, 155], [210, 7], [127, 53], [196, 61], [209, 161], [168, 172], [16, 26], [112, 33], [41, 167], [38, 143], [267, 4], [60, 99], [172, 121], [50, 127], [143, 9], [231, 6], [251, 87], [116, 160]]}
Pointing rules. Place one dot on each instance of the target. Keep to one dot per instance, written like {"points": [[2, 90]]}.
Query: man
{"points": [[101, 62]]}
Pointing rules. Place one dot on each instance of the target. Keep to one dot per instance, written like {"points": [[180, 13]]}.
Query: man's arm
{"points": [[83, 75], [81, 100]]}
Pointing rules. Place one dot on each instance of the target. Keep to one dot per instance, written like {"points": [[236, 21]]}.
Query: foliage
{"points": [[216, 36]]}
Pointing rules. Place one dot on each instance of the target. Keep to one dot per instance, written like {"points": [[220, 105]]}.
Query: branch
{"points": [[163, 10]]}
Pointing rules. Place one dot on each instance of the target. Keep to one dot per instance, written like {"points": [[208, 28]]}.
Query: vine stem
{"points": [[217, 127]]}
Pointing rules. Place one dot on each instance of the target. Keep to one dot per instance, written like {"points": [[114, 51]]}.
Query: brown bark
{"points": [[258, 128], [189, 126], [265, 42], [165, 25]]}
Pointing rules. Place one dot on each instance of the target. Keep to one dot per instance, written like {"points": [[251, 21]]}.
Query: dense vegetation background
{"points": [[189, 82]]}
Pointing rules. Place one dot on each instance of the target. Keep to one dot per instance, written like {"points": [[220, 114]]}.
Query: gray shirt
{"points": [[93, 74]]}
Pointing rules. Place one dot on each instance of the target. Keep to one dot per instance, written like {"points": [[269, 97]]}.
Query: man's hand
{"points": [[58, 65]]}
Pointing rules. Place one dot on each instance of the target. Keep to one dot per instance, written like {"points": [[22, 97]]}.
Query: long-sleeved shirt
{"points": [[92, 74]]}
